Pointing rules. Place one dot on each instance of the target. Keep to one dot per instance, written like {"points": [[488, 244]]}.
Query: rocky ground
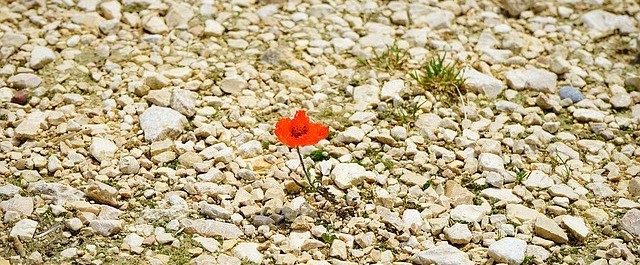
{"points": [[141, 132]]}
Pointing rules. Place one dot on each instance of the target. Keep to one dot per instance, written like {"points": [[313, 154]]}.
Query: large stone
{"points": [[59, 193], [443, 254], [468, 213], [23, 205], [24, 229], [24, 80], [490, 162], [178, 16], [604, 22], [102, 149], [478, 82], [159, 123], [458, 194], [233, 85], [365, 95], [155, 25], [106, 227], [211, 228], [213, 28], [347, 175], [576, 226], [30, 127], [631, 222], [509, 250], [515, 7], [294, 79], [41, 56], [102, 193], [549, 229], [588, 115], [156, 80], [434, 18], [184, 101], [533, 78], [538, 180], [248, 251], [458, 234]]}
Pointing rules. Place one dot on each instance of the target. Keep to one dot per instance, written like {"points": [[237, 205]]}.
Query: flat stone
{"points": [[509, 250], [571, 93], [503, 195], [459, 195], [458, 234], [549, 229], [23, 80], [631, 222], [248, 251], [442, 254], [159, 123], [210, 244], [576, 227], [60, 194], [106, 227], [468, 213], [211, 228], [538, 180], [102, 193], [488, 85], [588, 115], [534, 79], [24, 229], [155, 25], [178, 16], [233, 85], [294, 79], [23, 205]]}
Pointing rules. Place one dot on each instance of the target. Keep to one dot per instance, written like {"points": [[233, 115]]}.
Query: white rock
{"points": [[30, 127], [468, 213], [21, 81], [621, 100], [178, 16], [342, 44], [365, 95], [233, 85], [129, 165], [538, 180], [515, 7], [605, 22], [102, 149], [510, 250], [156, 80], [155, 25], [294, 79], [111, 10], [458, 234], [24, 229], [576, 226], [504, 195], [248, 251], [346, 175], [41, 56], [533, 78], [435, 18], [442, 254], [412, 217], [392, 89], [490, 86], [250, 149], [133, 240], [210, 244], [352, 134], [588, 115], [106, 227], [159, 123], [213, 28], [184, 101], [490, 162]]}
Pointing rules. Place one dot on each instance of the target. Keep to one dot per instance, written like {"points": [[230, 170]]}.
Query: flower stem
{"points": [[304, 168]]}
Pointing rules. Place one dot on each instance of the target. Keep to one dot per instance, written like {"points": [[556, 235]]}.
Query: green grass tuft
{"points": [[393, 58], [441, 79]]}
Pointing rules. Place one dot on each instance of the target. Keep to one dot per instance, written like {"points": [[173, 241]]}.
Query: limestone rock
{"points": [[160, 123]]}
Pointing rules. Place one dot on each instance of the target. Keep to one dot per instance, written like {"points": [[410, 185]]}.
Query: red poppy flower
{"points": [[299, 131]]}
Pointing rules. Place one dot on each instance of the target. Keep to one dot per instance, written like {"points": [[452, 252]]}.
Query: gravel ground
{"points": [[460, 132]]}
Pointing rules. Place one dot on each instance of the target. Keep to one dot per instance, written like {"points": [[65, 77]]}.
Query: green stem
{"points": [[304, 168]]}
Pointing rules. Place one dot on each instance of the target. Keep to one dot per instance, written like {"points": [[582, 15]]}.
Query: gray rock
{"points": [[490, 86], [515, 7], [211, 228], [214, 211], [443, 254], [106, 227], [509, 250], [60, 194], [41, 56], [184, 101], [178, 16], [631, 222], [533, 78], [159, 123], [571, 93], [22, 81]]}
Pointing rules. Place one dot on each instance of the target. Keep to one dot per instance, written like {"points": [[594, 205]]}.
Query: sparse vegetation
{"points": [[319, 155], [440, 78], [391, 59], [521, 176], [406, 114]]}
